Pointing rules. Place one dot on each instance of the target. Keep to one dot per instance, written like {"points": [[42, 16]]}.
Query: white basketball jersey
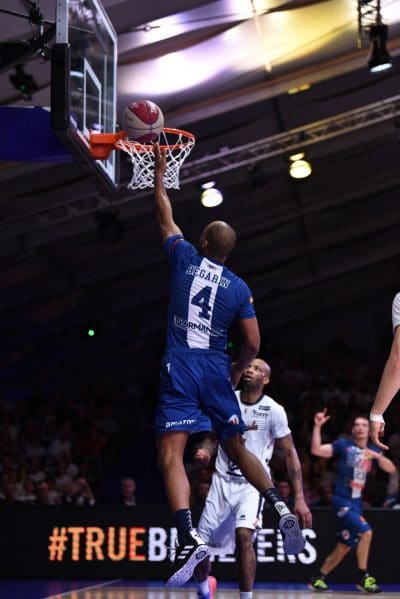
{"points": [[396, 311], [268, 421]]}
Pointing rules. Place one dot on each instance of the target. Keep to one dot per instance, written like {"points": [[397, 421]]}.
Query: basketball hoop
{"points": [[176, 144]]}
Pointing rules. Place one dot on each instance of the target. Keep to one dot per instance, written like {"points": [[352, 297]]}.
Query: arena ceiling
{"points": [[322, 255]]}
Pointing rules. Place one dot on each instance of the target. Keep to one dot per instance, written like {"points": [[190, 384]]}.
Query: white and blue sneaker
{"points": [[292, 537], [187, 557]]}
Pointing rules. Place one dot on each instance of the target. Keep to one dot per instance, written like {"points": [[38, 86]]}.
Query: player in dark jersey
{"points": [[197, 377], [355, 458]]}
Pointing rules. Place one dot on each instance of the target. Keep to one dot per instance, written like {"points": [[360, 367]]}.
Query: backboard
{"points": [[83, 84]]}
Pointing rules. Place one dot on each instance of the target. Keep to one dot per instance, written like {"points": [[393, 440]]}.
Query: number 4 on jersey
{"points": [[202, 299]]}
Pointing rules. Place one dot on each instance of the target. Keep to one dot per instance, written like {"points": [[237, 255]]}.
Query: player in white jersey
{"points": [[390, 381], [197, 377], [233, 510]]}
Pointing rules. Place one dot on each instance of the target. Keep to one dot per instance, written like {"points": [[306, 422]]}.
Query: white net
{"points": [[177, 144]]}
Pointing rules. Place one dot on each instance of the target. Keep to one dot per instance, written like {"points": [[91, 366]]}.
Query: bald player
{"points": [[233, 510], [197, 377]]}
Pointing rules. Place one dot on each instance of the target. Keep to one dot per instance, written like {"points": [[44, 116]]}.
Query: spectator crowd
{"points": [[93, 441]]}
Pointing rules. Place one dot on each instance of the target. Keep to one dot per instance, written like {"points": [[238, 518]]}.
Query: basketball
{"points": [[143, 121]]}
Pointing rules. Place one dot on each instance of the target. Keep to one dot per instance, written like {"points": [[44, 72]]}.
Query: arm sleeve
{"points": [[281, 425], [246, 309], [178, 250], [337, 447]]}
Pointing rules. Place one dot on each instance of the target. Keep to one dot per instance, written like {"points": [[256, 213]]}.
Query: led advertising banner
{"points": [[117, 542]]}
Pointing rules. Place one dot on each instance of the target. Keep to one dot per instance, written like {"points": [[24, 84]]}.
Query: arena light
{"points": [[380, 59], [299, 167], [211, 196]]}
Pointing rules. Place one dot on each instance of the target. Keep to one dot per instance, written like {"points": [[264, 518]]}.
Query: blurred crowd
{"points": [[92, 442]]}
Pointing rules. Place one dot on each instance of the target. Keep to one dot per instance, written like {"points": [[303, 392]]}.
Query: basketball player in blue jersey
{"points": [[197, 377], [355, 458]]}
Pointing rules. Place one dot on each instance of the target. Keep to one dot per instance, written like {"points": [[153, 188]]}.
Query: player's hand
{"points": [[376, 430], [321, 417], [303, 513], [202, 455], [160, 160]]}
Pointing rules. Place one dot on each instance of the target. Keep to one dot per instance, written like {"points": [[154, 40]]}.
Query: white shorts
{"points": [[229, 505]]}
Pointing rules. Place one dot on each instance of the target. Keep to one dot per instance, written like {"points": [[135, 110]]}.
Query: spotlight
{"points": [[380, 58], [23, 82], [211, 195], [299, 168]]}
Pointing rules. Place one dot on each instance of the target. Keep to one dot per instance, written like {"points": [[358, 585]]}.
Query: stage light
{"points": [[211, 196], [380, 59], [299, 167]]}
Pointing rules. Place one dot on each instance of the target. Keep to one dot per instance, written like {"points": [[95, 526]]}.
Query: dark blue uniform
{"points": [[353, 466], [205, 298]]}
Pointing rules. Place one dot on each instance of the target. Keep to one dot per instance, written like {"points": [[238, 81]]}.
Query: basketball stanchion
{"points": [[176, 143]]}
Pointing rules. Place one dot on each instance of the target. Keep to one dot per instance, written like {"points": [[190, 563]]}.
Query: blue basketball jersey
{"points": [[352, 468], [205, 298]]}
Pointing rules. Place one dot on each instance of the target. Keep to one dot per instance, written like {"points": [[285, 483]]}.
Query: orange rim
{"points": [[101, 144], [149, 147]]}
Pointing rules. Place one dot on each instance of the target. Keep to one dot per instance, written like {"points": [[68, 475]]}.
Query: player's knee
{"points": [[345, 549], [244, 538], [367, 534]]}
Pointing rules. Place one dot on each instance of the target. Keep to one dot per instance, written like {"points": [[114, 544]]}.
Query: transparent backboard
{"points": [[84, 64]]}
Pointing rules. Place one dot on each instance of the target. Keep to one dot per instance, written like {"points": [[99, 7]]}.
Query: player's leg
{"points": [[255, 473], [318, 582], [250, 466], [171, 447], [361, 527], [191, 548], [216, 528], [178, 414], [334, 558], [247, 560], [363, 548]]}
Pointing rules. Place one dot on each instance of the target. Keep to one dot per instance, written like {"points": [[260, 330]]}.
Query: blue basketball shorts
{"points": [[196, 394], [349, 519]]}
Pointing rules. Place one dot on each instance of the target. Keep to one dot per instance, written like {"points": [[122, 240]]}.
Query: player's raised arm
{"points": [[168, 227], [388, 387], [322, 450]]}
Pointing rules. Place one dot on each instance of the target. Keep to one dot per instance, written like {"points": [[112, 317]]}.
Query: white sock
{"points": [[246, 594], [203, 587]]}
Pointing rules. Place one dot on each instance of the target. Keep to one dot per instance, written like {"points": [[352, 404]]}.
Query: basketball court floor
{"points": [[128, 589]]}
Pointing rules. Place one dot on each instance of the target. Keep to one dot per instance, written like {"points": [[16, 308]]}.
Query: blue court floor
{"points": [[128, 589]]}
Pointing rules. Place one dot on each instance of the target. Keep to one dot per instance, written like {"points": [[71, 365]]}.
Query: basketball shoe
{"points": [[317, 583], [186, 559], [369, 585], [293, 540]]}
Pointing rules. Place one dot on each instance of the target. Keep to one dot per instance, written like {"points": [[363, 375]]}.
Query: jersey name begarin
{"points": [[205, 298], [207, 275]]}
